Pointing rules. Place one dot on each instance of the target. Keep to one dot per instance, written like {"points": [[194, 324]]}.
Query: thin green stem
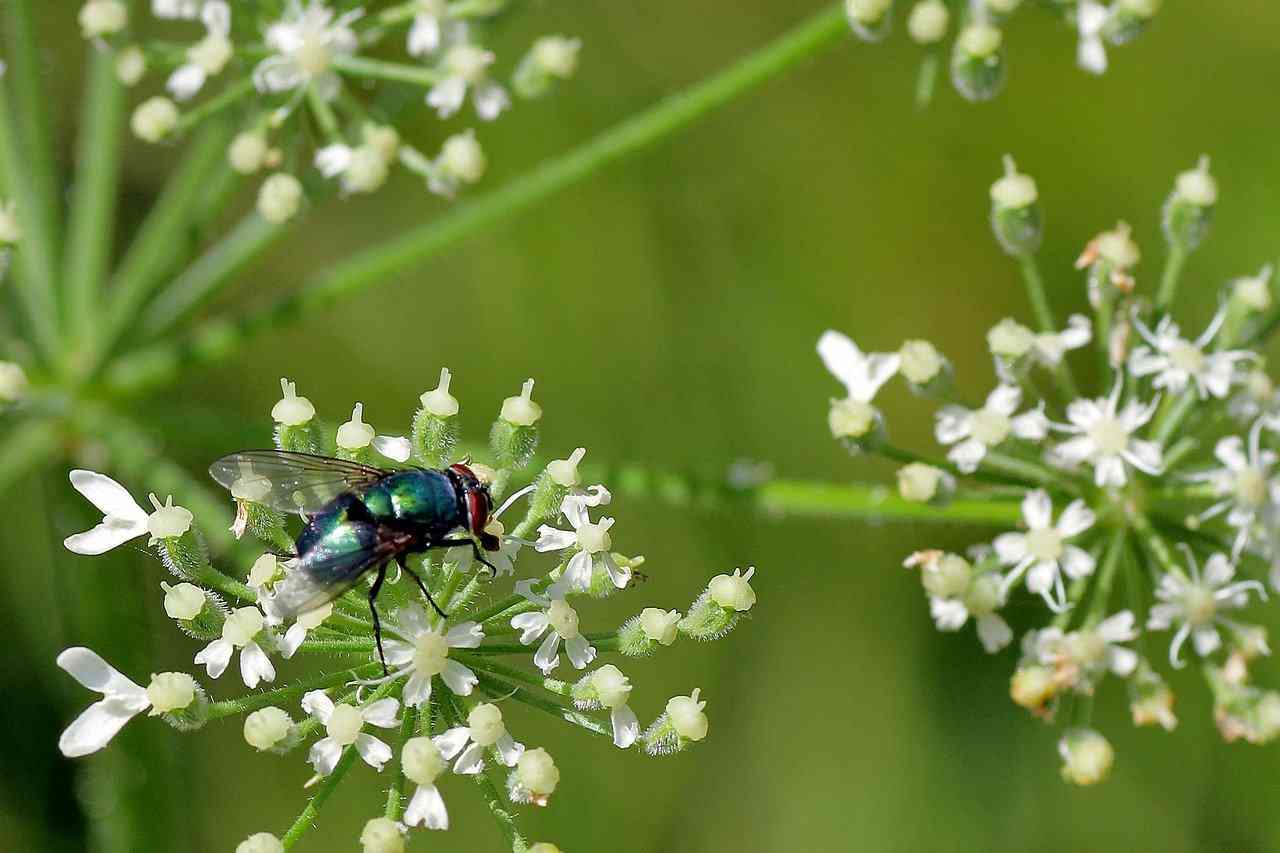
{"points": [[493, 798], [337, 647], [906, 457], [36, 265], [324, 115], [395, 790], [1155, 545], [488, 664], [92, 219], [1039, 298], [792, 498], [358, 66], [1106, 578], [1024, 469], [216, 339], [1170, 419], [1173, 266], [499, 687], [288, 693], [224, 100]]}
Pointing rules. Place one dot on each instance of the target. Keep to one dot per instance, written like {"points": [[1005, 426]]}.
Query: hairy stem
{"points": [[288, 693]]}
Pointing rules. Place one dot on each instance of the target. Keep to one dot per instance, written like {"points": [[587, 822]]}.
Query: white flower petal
{"points": [[255, 666], [458, 678], [374, 752], [967, 455], [1118, 628], [1122, 661], [471, 761], [1004, 399], [107, 495], [580, 652], [215, 657], [426, 808], [417, 691], [509, 750], [324, 755], [87, 667], [381, 713], [317, 704], [96, 726], [531, 625], [1076, 562], [552, 539], [1075, 519], [451, 742], [626, 727], [949, 614], [1037, 509], [1010, 547], [953, 424], [1041, 575], [394, 447], [546, 657], [1206, 640], [994, 632], [1218, 570], [464, 635]]}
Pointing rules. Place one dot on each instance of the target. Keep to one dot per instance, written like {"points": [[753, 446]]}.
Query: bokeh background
{"points": [[668, 309]]}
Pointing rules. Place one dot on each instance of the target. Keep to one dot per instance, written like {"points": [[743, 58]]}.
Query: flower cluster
{"points": [[447, 683], [310, 84], [977, 52], [1162, 478]]}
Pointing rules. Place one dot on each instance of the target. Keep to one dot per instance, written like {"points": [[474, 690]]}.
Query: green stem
{"points": [[395, 791], [337, 647], [906, 457], [251, 236], [487, 664], [92, 220], [36, 252], [358, 66], [1024, 469], [324, 115], [225, 99], [498, 687], [216, 339], [1173, 265], [1155, 545], [792, 498], [1169, 420], [254, 701], [161, 241], [1106, 578], [493, 798], [1039, 298]]}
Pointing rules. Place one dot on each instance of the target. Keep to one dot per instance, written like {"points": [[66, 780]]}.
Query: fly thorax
{"points": [[594, 538], [485, 722], [990, 427], [563, 619], [1110, 436], [242, 626], [1187, 357], [1044, 543], [1199, 604], [1250, 487], [344, 723], [430, 651]]}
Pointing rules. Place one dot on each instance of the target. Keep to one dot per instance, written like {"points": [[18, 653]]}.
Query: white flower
{"points": [[956, 593], [1104, 438], [424, 33], [279, 198], [461, 161], [260, 842], [1042, 553], [484, 731], [559, 622], [207, 57], [465, 67], [660, 625], [122, 700], [1091, 17], [298, 630], [362, 168], [1050, 347], [240, 631], [1176, 361], [592, 541], [382, 835], [267, 727], [422, 763], [1081, 657], [304, 43], [612, 689], [343, 724], [102, 18], [1195, 604], [423, 652], [862, 374], [1244, 480], [975, 432], [122, 520], [535, 779], [154, 119], [1086, 756], [176, 9]]}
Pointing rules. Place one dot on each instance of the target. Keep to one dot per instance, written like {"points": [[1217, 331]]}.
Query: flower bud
{"points": [[521, 410], [514, 438], [422, 761], [1015, 216], [928, 21], [1032, 686], [100, 18], [923, 483], [1189, 210], [1086, 755], [1010, 340], [947, 576], [852, 419], [983, 595], [260, 842], [355, 434], [733, 592], [267, 727], [544, 847], [265, 570], [871, 20], [131, 64], [170, 691], [920, 362], [279, 198], [686, 716], [1129, 18], [168, 521], [611, 687], [248, 152], [550, 58], [564, 472], [485, 722], [977, 62], [1253, 293], [13, 382], [659, 625], [183, 601], [537, 774], [154, 119], [292, 410], [382, 835]]}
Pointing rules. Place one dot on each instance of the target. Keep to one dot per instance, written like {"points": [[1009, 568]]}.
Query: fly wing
{"points": [[319, 581], [290, 482]]}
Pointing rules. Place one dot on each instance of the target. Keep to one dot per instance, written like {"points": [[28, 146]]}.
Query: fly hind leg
{"points": [[411, 573], [373, 609]]}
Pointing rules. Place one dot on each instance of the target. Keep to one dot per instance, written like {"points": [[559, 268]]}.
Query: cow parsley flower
{"points": [[422, 651], [304, 44], [559, 622], [1175, 361], [862, 376], [590, 543], [1105, 438], [465, 67], [343, 723], [207, 57], [1043, 553], [241, 630], [122, 700], [485, 732], [1195, 604], [1244, 482], [974, 432]]}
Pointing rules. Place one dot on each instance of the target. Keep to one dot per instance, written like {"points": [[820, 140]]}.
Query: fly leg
{"points": [[411, 573], [373, 608], [475, 551]]}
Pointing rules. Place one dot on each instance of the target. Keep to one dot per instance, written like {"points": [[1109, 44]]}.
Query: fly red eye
{"points": [[477, 512]]}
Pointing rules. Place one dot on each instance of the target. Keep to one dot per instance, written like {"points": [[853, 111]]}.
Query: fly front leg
{"points": [[373, 609], [475, 551]]}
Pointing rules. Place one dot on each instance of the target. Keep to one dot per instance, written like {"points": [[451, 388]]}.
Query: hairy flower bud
{"points": [[267, 728], [977, 62], [279, 198], [1189, 210], [1086, 756], [170, 691], [870, 20], [260, 842], [154, 119], [1015, 215], [382, 835], [928, 22]]}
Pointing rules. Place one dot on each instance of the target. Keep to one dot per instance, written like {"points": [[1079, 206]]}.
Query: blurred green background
{"points": [[668, 309]]}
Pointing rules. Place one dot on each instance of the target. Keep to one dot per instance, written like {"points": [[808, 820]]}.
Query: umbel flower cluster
{"points": [[977, 27], [1142, 512], [317, 83], [456, 696]]}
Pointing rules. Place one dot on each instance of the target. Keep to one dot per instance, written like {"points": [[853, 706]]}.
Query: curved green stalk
{"points": [[789, 498], [216, 339]]}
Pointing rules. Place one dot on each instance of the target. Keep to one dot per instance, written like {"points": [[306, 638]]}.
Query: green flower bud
{"points": [[1015, 216], [871, 20], [1129, 18], [977, 62], [1189, 210], [514, 436], [551, 58], [436, 425]]}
